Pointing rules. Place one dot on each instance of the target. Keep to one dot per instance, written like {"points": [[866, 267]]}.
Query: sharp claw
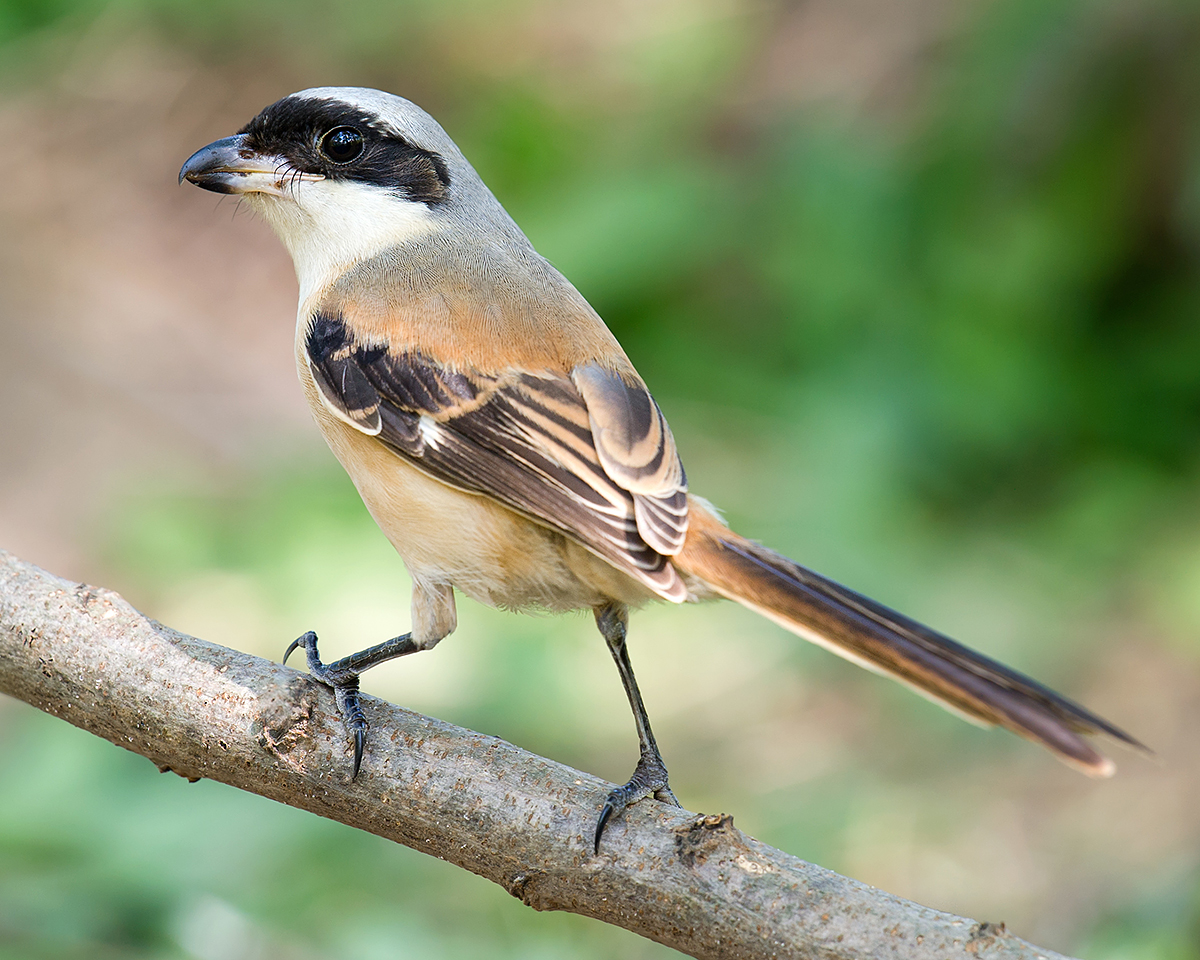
{"points": [[360, 739], [301, 641], [604, 815]]}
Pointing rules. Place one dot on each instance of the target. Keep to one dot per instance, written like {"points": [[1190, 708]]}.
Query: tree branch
{"points": [[692, 882]]}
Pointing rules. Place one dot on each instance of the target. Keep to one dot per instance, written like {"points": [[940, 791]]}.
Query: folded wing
{"points": [[589, 455]]}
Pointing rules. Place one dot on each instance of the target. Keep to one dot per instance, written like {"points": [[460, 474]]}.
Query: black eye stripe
{"points": [[317, 136]]}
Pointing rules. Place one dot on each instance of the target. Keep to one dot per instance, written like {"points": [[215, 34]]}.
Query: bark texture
{"points": [[693, 882]]}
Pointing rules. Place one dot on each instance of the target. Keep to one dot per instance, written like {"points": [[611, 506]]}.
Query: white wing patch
{"points": [[431, 433]]}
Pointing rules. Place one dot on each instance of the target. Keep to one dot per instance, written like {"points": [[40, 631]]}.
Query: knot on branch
{"points": [[702, 837], [285, 721], [984, 935], [523, 886]]}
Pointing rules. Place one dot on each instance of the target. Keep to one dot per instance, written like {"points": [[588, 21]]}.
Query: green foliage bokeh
{"points": [[894, 347]]}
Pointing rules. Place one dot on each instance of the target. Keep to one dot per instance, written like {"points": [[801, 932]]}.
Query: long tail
{"points": [[887, 642]]}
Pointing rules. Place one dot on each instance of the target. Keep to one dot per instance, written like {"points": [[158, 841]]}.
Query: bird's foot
{"points": [[649, 779], [342, 675], [343, 678]]}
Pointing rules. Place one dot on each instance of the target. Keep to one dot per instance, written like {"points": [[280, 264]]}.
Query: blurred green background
{"points": [[915, 282]]}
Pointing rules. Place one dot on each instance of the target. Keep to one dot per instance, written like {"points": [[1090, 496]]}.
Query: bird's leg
{"points": [[650, 776], [433, 617], [342, 676]]}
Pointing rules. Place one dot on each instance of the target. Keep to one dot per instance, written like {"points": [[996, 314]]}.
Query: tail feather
{"points": [[880, 639]]}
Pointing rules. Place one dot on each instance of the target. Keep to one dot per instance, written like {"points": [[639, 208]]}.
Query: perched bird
{"points": [[503, 441]]}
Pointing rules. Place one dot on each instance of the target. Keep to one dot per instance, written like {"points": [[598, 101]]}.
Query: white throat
{"points": [[328, 226]]}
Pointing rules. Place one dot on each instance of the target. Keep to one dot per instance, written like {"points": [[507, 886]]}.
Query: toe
{"points": [[306, 640], [648, 780]]}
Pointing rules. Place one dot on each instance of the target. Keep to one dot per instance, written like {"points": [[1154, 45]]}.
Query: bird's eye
{"points": [[342, 144]]}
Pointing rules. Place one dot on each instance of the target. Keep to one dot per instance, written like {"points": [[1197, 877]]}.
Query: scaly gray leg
{"points": [[650, 776]]}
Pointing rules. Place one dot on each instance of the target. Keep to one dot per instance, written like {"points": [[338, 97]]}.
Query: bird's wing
{"points": [[587, 454], [635, 447]]}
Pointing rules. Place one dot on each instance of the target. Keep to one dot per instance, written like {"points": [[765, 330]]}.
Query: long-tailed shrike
{"points": [[503, 441]]}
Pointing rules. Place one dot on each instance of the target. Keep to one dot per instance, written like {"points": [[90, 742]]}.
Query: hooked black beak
{"points": [[230, 166]]}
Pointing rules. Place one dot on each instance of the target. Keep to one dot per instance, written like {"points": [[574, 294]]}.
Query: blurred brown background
{"points": [[915, 282]]}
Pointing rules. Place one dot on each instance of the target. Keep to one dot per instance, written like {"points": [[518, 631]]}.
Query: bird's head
{"points": [[344, 173]]}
